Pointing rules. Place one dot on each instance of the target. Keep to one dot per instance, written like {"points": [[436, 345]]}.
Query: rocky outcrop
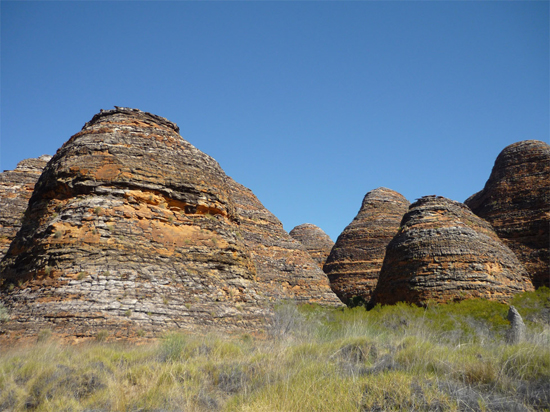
{"points": [[315, 240], [516, 201], [443, 252], [284, 270], [354, 263], [16, 188], [133, 230]]}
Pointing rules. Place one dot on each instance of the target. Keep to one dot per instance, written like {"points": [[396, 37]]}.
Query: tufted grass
{"points": [[399, 358]]}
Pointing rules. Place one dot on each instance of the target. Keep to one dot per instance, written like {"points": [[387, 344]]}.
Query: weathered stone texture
{"points": [[516, 333], [516, 201], [132, 229], [16, 188], [315, 240], [443, 252], [284, 269], [354, 263]]}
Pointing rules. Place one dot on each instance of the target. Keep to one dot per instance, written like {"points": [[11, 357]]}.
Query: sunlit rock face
{"points": [[354, 263], [315, 240], [443, 252], [133, 230], [16, 188], [284, 267], [516, 201]]}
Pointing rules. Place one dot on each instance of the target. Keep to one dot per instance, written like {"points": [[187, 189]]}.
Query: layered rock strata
{"points": [[315, 240], [16, 188], [133, 230], [516, 201], [284, 269], [443, 252], [354, 263]]}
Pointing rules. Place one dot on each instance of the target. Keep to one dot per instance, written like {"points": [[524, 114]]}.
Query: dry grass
{"points": [[399, 358]]}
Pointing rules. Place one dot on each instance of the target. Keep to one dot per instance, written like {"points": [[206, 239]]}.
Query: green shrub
{"points": [[102, 335], [534, 307], [44, 335], [4, 314], [442, 357]]}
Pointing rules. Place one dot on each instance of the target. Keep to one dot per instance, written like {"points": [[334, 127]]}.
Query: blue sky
{"points": [[309, 104]]}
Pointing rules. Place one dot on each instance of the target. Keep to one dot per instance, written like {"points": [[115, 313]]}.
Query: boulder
{"points": [[16, 188], [516, 333], [132, 230], [516, 202], [443, 252], [354, 263], [315, 240]]}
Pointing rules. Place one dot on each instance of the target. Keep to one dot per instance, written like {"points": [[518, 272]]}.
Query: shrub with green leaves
{"points": [[443, 357], [4, 314]]}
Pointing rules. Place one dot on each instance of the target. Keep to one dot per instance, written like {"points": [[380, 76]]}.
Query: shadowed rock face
{"points": [[315, 240], [443, 252], [16, 188], [354, 263], [132, 229], [516, 201]]}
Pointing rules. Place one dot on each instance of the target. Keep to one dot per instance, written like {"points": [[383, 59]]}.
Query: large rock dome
{"points": [[354, 263], [315, 240], [516, 201], [16, 187], [443, 252], [132, 229]]}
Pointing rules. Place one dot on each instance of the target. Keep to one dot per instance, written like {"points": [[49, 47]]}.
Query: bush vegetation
{"points": [[397, 358]]}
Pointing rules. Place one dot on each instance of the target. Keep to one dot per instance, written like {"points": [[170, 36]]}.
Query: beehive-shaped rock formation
{"points": [[354, 263], [131, 229], [444, 252], [516, 201], [315, 240], [16, 188], [283, 266]]}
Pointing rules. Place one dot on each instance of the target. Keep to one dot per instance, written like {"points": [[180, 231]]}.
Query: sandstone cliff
{"points": [[133, 230], [315, 240], [444, 252], [16, 188], [354, 263], [516, 201]]}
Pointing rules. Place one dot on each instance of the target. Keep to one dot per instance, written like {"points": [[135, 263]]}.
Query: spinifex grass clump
{"points": [[440, 358]]}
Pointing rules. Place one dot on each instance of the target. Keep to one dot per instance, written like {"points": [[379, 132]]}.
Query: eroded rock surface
{"points": [[16, 188], [315, 240], [516, 201], [516, 333], [354, 263], [284, 268], [444, 252], [133, 230]]}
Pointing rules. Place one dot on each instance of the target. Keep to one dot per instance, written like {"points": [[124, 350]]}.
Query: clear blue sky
{"points": [[309, 104]]}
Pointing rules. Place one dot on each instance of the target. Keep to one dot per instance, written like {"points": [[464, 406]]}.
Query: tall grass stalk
{"points": [[441, 358]]}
